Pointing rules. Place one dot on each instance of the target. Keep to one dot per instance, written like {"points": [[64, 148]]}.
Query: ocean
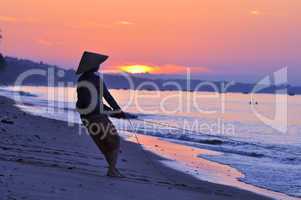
{"points": [[259, 135]]}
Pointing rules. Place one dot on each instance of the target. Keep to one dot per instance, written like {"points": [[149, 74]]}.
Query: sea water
{"points": [[251, 134]]}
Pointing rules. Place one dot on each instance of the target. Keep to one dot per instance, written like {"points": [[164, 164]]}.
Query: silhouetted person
{"points": [[90, 91]]}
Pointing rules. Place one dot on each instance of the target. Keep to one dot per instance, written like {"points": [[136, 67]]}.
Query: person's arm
{"points": [[109, 98], [112, 102]]}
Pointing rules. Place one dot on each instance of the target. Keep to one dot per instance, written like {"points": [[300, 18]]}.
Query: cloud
{"points": [[48, 43], [96, 25], [44, 42], [178, 69], [8, 19], [126, 23], [11, 19], [255, 12]]}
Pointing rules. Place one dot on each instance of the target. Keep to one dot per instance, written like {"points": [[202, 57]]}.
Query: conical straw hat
{"points": [[90, 61]]}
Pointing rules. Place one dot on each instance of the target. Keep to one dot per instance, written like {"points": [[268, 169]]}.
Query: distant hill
{"points": [[15, 67], [62, 77]]}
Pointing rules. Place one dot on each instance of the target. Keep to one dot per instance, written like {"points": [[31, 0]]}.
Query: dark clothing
{"points": [[91, 88], [103, 132], [90, 91]]}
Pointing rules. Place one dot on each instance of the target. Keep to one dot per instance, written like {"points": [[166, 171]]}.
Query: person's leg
{"points": [[112, 155], [105, 136]]}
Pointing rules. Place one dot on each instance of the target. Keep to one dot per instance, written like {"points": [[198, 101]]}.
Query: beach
{"points": [[205, 96], [46, 159]]}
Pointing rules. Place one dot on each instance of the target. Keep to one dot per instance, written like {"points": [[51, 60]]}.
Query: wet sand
{"points": [[186, 159], [47, 159]]}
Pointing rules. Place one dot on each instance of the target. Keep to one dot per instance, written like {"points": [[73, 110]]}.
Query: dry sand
{"points": [[46, 159]]}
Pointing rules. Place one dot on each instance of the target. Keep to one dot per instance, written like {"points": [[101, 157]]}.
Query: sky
{"points": [[240, 40]]}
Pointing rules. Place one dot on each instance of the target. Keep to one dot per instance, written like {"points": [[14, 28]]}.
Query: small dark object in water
{"points": [[6, 121], [213, 142], [27, 94], [181, 184], [257, 155], [291, 159], [256, 102], [37, 137]]}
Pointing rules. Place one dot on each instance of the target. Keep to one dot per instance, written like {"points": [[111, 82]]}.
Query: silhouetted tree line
{"points": [[15, 67], [2, 60]]}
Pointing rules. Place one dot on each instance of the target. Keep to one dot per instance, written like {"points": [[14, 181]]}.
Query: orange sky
{"points": [[222, 36]]}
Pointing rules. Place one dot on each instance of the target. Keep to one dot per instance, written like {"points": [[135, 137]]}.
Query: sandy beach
{"points": [[205, 96], [46, 159]]}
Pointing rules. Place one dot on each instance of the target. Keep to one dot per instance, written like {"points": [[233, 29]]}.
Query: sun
{"points": [[137, 69]]}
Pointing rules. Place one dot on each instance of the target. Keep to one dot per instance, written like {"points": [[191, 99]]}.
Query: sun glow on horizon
{"points": [[163, 69], [211, 39], [137, 69]]}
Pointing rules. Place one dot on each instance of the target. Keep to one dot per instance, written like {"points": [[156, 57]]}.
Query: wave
{"points": [[280, 153]]}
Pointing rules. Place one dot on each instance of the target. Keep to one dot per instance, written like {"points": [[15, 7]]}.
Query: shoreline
{"points": [[51, 160], [196, 166]]}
